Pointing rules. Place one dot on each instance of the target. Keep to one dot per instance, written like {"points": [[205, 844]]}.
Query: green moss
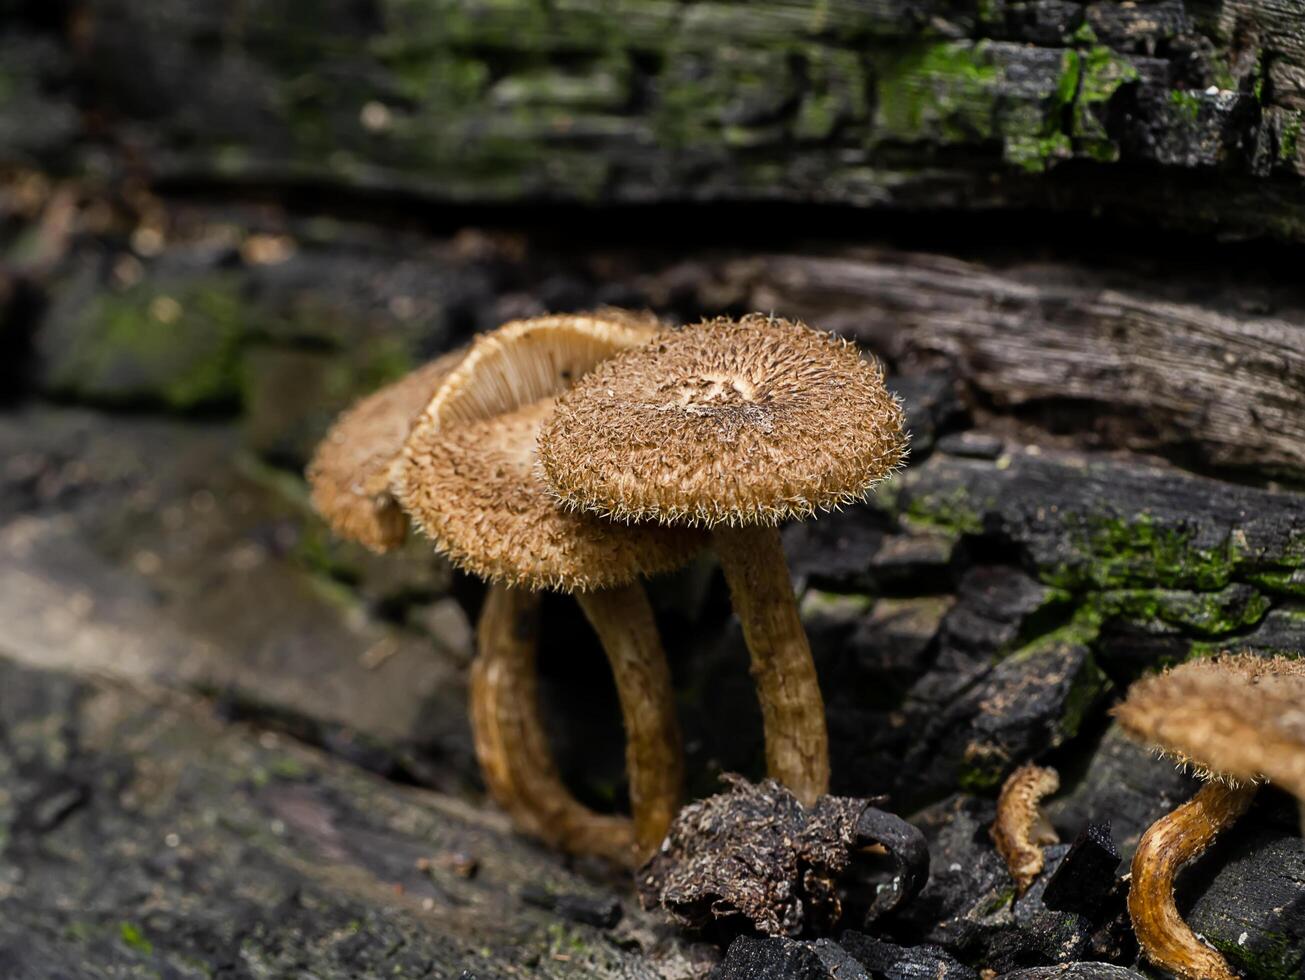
{"points": [[1288, 137], [817, 117], [1205, 613], [1296, 618], [1089, 685], [288, 768], [154, 343], [563, 939], [1081, 630], [1083, 35], [1274, 956], [134, 938], [1289, 582], [1046, 140], [1114, 553], [704, 94], [981, 775], [999, 901], [951, 511], [1102, 74], [78, 931], [1187, 103], [945, 91], [599, 86], [434, 76], [834, 605], [1071, 72], [1036, 153], [835, 92]]}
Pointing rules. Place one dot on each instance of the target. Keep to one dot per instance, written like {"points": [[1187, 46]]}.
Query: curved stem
{"points": [[1169, 844], [511, 746], [792, 710], [623, 620]]}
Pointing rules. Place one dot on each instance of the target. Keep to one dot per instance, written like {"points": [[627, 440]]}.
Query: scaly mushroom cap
{"points": [[737, 422], [349, 475], [1239, 717], [470, 480]]}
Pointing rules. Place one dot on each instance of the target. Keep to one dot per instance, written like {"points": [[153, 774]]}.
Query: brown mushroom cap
{"points": [[470, 480], [349, 475], [1239, 717], [738, 422], [526, 360]]}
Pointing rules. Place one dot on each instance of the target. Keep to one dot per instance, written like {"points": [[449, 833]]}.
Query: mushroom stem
{"points": [[792, 710], [1169, 844], [623, 620], [511, 747]]}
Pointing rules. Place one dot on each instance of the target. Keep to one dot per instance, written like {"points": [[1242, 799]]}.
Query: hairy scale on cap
{"points": [[469, 479], [349, 475], [737, 426], [474, 489], [1237, 716], [1237, 720], [726, 422]]}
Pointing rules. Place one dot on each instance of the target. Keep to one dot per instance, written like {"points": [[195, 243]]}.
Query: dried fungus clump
{"points": [[755, 854], [752, 421], [1021, 829], [349, 475], [1237, 720]]}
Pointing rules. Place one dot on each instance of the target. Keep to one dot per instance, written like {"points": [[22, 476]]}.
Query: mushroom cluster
{"points": [[582, 453]]}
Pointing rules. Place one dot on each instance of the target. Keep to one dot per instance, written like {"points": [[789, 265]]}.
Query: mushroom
{"points": [[349, 478], [1239, 720], [1021, 828], [468, 479], [736, 426], [349, 475]]}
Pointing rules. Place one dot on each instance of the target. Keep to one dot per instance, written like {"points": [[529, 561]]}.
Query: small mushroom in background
{"points": [[736, 426], [1021, 829], [349, 475], [349, 479], [1239, 720], [468, 479]]}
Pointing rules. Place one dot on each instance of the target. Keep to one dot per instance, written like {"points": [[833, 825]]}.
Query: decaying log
{"points": [[144, 837], [1182, 110], [1107, 476]]}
